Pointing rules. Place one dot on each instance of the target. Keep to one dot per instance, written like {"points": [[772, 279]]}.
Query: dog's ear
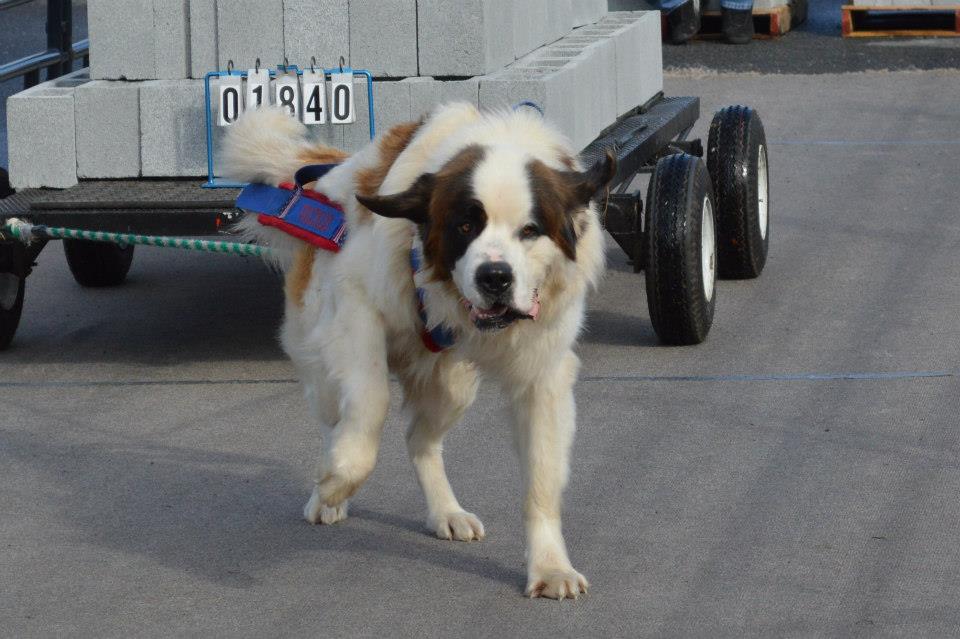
{"points": [[585, 184], [412, 204]]}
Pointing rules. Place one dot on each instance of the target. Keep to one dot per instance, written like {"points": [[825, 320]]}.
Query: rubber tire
{"points": [[97, 264], [680, 312], [10, 317], [736, 136]]}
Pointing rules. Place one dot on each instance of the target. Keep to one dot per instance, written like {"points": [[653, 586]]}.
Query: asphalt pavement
{"points": [[797, 475]]}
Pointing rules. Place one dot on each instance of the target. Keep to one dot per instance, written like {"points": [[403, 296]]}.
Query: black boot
{"points": [[737, 25], [683, 22]]}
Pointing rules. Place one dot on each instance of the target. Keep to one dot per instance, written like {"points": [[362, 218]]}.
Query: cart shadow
{"points": [[218, 516], [618, 329]]}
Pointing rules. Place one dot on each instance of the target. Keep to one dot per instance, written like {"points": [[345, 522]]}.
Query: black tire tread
{"points": [[679, 311], [735, 134], [97, 264]]}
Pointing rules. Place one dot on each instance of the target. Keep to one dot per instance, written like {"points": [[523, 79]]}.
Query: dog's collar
{"points": [[440, 337]]}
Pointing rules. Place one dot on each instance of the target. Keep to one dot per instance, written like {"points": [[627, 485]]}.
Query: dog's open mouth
{"points": [[501, 315]]}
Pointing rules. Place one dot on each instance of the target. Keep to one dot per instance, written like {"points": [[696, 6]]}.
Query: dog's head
{"points": [[493, 221]]}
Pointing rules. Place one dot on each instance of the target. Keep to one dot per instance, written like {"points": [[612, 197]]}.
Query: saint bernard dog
{"points": [[477, 223]]}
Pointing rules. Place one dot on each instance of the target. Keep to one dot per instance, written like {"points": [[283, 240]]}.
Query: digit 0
{"points": [[341, 102], [231, 105]]}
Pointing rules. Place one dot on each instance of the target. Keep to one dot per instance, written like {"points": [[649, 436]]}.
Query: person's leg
{"points": [[737, 20], [683, 18]]}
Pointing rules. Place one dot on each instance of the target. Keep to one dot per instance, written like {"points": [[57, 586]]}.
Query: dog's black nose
{"points": [[494, 278]]}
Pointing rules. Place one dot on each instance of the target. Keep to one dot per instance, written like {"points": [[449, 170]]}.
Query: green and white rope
{"points": [[25, 232]]}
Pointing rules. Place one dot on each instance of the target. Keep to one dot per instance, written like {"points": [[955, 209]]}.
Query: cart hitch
{"points": [[622, 215]]}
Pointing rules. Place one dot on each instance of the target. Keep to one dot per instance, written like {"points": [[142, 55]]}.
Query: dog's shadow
{"points": [[222, 517]]}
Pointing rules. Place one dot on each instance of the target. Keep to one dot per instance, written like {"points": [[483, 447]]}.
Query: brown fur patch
{"points": [[554, 200], [452, 206], [298, 277], [321, 154], [391, 145]]}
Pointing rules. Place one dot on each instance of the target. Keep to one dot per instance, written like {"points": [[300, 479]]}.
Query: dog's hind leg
{"points": [[437, 403], [545, 424], [355, 356]]}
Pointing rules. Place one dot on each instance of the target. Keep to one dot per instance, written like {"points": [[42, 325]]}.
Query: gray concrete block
{"points": [[587, 12], [138, 39], [547, 87], [317, 28], [639, 56], [425, 95], [461, 91], [41, 136], [559, 19], [118, 30], [530, 26], [383, 37], [391, 106], [172, 128], [250, 29], [108, 129], [203, 37], [465, 37]]}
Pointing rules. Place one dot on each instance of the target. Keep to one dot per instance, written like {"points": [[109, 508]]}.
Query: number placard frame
{"points": [[215, 182]]}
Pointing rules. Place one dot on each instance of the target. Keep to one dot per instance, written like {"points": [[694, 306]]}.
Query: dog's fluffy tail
{"points": [[268, 146]]}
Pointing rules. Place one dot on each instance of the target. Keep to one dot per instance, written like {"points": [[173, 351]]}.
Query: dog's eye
{"points": [[466, 228], [530, 231]]}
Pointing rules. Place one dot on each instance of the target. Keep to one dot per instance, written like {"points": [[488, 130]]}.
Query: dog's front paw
{"points": [[459, 525], [556, 583], [316, 512]]}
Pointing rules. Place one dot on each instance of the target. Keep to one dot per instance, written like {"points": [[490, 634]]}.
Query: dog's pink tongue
{"points": [[535, 309]]}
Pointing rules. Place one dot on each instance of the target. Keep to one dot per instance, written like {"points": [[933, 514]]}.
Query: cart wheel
{"points": [[681, 250], [98, 263], [11, 305], [737, 159]]}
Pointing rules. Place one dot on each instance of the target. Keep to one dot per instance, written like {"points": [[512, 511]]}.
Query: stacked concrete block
{"points": [[41, 135], [588, 11], [559, 19], [530, 26], [316, 29], [139, 39], [383, 36], [639, 57], [108, 129], [172, 128], [461, 91], [465, 37], [250, 29], [203, 37]]}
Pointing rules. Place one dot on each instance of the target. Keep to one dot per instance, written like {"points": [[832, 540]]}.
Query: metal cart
{"points": [[697, 220]]}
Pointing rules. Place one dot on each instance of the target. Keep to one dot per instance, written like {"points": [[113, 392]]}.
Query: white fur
{"points": [[358, 322]]}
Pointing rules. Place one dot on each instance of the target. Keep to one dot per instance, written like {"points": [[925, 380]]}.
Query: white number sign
{"points": [[314, 99], [341, 98], [286, 93], [258, 88], [230, 104]]}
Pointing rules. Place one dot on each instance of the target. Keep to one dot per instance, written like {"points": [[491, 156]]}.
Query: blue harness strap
{"points": [[440, 337], [307, 215]]}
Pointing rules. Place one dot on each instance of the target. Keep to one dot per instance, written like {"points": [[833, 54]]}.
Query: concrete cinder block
{"points": [[587, 12], [530, 26], [250, 29], [391, 106], [317, 28], [41, 134], [559, 19], [425, 94], [108, 129], [461, 91], [138, 39], [172, 128], [639, 57], [383, 37], [464, 38], [548, 87], [203, 37]]}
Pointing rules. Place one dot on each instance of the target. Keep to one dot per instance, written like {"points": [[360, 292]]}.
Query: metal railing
{"points": [[61, 50]]}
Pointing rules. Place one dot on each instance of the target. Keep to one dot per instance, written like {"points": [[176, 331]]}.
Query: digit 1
{"points": [[258, 91]]}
